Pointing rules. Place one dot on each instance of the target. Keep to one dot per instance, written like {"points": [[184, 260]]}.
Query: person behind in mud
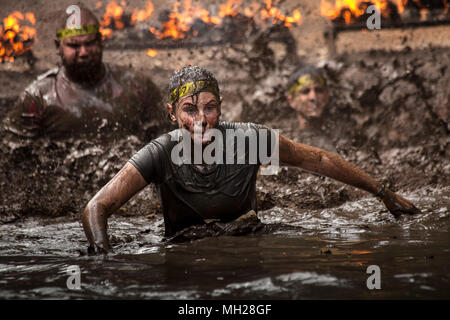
{"points": [[308, 95], [204, 178], [86, 95]]}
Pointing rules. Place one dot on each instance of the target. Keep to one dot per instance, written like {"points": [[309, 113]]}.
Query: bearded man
{"points": [[86, 96]]}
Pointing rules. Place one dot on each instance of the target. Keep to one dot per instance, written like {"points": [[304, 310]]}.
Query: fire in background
{"points": [[16, 38], [185, 20], [354, 11]]}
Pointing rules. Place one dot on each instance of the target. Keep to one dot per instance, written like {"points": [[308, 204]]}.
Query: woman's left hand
{"points": [[398, 205]]}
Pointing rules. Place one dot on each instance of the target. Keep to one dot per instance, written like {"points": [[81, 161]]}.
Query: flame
{"points": [[180, 22], [401, 5], [229, 9], [111, 19], [142, 15], [152, 52], [184, 14], [106, 32], [15, 39], [350, 10], [261, 14], [30, 17], [269, 12]]}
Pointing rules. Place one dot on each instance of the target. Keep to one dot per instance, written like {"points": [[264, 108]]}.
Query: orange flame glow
{"points": [[352, 9], [401, 4], [142, 15], [270, 12], [112, 17], [13, 36], [349, 10], [152, 52], [230, 8], [184, 14]]}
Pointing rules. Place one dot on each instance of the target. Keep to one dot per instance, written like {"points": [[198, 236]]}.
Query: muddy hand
{"points": [[398, 205]]}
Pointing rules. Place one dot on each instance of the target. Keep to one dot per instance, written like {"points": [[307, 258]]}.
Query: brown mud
{"points": [[389, 115]]}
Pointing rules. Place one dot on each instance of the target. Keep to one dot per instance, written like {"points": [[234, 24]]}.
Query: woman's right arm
{"points": [[125, 184]]}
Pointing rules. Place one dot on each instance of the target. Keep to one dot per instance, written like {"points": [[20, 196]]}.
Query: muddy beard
{"points": [[89, 73]]}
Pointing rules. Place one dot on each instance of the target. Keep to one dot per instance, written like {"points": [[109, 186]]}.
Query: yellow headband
{"points": [[192, 88], [304, 81], [72, 32]]}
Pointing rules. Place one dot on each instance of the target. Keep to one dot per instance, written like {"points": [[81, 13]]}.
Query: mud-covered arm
{"points": [[125, 184], [333, 166]]}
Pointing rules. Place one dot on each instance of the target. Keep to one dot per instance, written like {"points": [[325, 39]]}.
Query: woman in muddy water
{"points": [[215, 184]]}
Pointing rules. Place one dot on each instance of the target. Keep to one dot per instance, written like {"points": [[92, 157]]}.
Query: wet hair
{"points": [[190, 74], [310, 70]]}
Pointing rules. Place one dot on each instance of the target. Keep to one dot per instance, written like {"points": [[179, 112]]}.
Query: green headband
{"points": [[306, 80], [72, 32], [191, 88]]}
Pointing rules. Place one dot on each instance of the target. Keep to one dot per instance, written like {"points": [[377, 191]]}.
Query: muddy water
{"points": [[306, 254]]}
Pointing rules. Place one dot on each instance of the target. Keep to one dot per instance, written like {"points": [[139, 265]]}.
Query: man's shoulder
{"points": [[48, 74], [43, 82]]}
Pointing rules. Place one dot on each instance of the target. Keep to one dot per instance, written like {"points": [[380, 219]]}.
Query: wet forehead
{"points": [[201, 98], [314, 86], [80, 39]]}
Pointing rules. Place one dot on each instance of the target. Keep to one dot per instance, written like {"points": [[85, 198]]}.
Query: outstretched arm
{"points": [[331, 165], [125, 184]]}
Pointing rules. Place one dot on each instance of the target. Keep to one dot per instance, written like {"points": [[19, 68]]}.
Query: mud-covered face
{"points": [[82, 56], [197, 113], [310, 101]]}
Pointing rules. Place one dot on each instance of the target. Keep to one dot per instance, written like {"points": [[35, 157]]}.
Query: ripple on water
{"points": [[34, 254]]}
